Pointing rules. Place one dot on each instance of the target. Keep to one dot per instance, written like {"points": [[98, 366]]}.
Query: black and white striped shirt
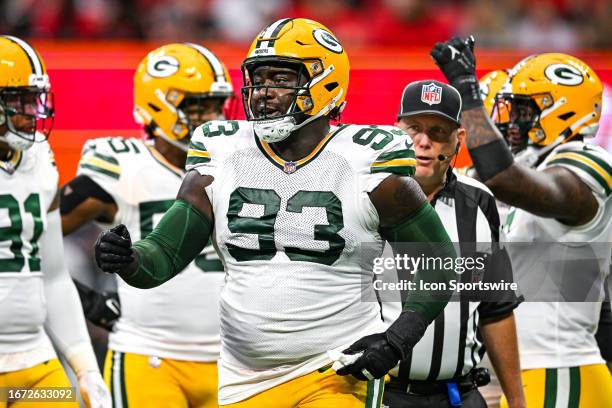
{"points": [[452, 345]]}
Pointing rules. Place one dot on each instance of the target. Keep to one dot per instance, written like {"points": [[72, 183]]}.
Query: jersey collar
{"points": [[289, 167]]}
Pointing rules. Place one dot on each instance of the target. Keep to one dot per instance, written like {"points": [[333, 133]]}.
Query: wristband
{"points": [[469, 89], [491, 158], [406, 332]]}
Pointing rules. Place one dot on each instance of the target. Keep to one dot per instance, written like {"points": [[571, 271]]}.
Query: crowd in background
{"points": [[562, 25]]}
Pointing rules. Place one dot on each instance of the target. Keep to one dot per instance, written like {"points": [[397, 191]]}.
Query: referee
{"points": [[442, 370]]}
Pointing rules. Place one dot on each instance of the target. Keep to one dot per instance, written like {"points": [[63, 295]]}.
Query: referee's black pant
{"points": [[394, 398]]}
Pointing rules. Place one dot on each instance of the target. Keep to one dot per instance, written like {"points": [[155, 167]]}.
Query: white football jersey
{"points": [[289, 235], [28, 184], [179, 319], [561, 334]]}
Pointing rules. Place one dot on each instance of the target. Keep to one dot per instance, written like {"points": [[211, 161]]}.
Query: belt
{"points": [[464, 383]]}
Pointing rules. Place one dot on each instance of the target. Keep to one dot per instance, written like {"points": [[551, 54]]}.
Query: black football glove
{"points": [[382, 351], [457, 61], [101, 308], [377, 359], [114, 253]]}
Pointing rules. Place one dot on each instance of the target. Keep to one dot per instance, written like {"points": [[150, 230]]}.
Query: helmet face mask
{"points": [[289, 89], [516, 116], [26, 103], [320, 67], [197, 109]]}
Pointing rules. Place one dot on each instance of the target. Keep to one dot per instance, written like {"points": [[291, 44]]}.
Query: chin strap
{"points": [[276, 130]]}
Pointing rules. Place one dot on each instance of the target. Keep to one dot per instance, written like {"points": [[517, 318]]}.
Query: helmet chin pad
{"points": [[274, 130], [15, 141]]}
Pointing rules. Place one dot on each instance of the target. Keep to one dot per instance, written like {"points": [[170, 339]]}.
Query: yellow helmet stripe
{"points": [[35, 63], [213, 61]]}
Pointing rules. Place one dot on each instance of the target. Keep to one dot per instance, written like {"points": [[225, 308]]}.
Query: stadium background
{"points": [[92, 47]]}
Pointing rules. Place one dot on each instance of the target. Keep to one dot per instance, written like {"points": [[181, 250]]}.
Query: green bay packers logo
{"points": [[162, 66], [327, 40], [564, 74]]}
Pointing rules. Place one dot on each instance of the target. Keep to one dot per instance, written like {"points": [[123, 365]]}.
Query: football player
{"points": [[164, 347], [289, 200], [561, 193], [38, 301]]}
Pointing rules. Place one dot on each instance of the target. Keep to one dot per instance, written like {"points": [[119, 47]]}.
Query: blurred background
{"points": [[525, 24], [92, 47]]}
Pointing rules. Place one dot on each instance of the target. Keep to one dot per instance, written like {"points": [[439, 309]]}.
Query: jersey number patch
{"points": [[13, 232], [263, 226]]}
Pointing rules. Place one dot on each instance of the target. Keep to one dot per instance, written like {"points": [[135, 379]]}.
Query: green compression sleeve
{"points": [[425, 228], [179, 237]]}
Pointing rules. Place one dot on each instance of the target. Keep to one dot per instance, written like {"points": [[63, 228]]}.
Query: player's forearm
{"points": [[500, 341], [179, 237], [64, 323], [424, 227], [82, 201]]}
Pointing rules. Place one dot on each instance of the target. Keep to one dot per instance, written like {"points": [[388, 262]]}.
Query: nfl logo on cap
{"points": [[431, 94]]}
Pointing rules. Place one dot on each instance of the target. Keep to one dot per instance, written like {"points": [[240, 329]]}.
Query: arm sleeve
{"points": [[65, 322], [177, 239], [425, 228]]}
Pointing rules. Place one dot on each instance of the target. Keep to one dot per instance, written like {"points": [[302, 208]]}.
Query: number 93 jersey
{"points": [[177, 320], [290, 234], [28, 184]]}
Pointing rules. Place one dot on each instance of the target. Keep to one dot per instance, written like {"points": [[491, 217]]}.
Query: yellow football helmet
{"points": [[169, 78], [26, 104], [322, 66], [549, 99], [490, 84]]}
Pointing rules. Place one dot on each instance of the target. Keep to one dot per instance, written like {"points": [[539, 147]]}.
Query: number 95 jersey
{"points": [[290, 234], [177, 320]]}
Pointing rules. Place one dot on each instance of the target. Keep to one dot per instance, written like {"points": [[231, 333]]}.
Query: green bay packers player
{"points": [[560, 187], [164, 347], [38, 302], [289, 200]]}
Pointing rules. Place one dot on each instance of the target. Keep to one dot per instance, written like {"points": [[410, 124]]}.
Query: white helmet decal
{"points": [[564, 74], [327, 40], [162, 66]]}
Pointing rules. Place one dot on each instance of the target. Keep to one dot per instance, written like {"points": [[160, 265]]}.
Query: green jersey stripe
{"points": [[197, 146], [590, 171], [194, 160], [99, 170], [109, 159], [602, 163], [400, 170]]}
